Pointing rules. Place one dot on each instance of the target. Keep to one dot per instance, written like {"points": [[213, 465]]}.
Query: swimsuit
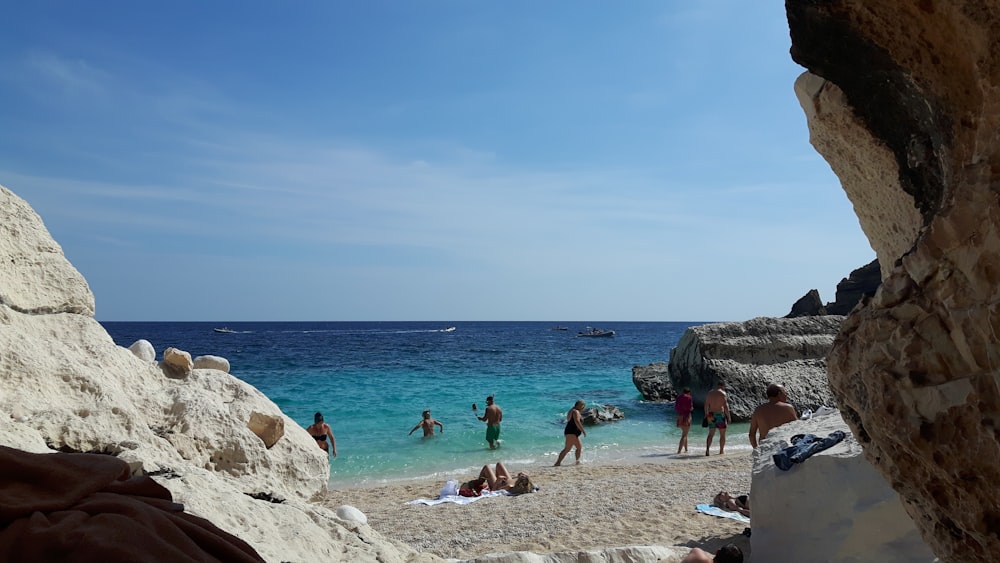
{"points": [[320, 438], [492, 432], [720, 419], [683, 406], [571, 428]]}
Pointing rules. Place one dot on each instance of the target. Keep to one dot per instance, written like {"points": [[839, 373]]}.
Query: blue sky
{"points": [[431, 160]]}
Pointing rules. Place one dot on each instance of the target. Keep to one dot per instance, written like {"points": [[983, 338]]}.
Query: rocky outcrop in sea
{"points": [[748, 356]]}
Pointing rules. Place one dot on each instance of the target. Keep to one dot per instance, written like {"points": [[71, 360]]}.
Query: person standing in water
{"points": [[574, 427], [717, 411], [684, 405], [428, 424], [492, 417], [320, 431]]}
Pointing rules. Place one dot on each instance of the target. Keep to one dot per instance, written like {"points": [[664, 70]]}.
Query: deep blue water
{"points": [[372, 380]]}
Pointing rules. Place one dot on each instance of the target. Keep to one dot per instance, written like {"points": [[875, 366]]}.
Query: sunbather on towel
{"points": [[499, 480], [727, 501]]}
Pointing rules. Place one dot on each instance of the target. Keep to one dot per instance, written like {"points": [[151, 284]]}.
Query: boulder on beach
{"points": [[853, 514], [65, 385]]}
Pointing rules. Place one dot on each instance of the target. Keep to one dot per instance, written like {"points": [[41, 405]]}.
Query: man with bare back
{"points": [[717, 411], [492, 417], [775, 412]]}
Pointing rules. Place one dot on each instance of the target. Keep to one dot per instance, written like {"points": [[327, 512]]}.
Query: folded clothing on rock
{"points": [[87, 507], [803, 447]]}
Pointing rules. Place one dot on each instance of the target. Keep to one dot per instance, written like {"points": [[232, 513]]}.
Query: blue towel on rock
{"points": [[803, 447]]}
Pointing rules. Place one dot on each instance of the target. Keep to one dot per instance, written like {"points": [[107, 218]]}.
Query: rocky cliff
{"points": [[750, 355], [903, 101], [66, 386]]}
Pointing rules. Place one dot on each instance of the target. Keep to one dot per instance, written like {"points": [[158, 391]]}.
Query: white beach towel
{"points": [[457, 499], [716, 511]]}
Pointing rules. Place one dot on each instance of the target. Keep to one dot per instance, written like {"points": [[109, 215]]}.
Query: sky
{"points": [[426, 160]]}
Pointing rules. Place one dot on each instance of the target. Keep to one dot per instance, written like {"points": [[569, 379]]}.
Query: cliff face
{"points": [[65, 385], [902, 100], [750, 355]]}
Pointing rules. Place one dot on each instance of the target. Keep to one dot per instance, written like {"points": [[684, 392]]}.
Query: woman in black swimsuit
{"points": [[320, 431], [574, 427], [726, 501]]}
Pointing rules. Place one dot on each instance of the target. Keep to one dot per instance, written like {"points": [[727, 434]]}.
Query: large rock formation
{"points": [[861, 283], [903, 100], [852, 513], [752, 354], [65, 385]]}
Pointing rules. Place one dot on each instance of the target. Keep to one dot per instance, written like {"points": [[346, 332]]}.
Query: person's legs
{"points": [[566, 448], [487, 473], [684, 439], [502, 470], [722, 441], [711, 434], [579, 448]]}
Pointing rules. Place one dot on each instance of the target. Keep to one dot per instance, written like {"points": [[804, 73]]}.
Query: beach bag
{"points": [[704, 422], [450, 489]]}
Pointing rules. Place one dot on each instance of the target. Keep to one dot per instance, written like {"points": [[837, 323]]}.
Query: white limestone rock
{"points": [[211, 362], [71, 387], [351, 514], [143, 350], [36, 277], [832, 507]]}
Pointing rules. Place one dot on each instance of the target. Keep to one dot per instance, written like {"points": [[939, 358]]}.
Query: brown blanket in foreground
{"points": [[86, 507]]}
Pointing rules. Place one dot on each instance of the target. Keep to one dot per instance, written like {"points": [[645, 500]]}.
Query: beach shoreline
{"points": [[595, 505]]}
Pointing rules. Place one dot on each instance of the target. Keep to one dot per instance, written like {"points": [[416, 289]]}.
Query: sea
{"points": [[372, 381]]}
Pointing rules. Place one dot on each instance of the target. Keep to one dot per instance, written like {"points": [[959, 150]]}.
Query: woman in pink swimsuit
{"points": [[684, 405]]}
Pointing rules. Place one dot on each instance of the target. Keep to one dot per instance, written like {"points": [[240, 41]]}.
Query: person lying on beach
{"points": [[726, 501], [729, 553], [428, 424], [498, 480]]}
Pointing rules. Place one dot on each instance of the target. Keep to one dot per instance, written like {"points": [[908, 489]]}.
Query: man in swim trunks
{"points": [[717, 409], [492, 417]]}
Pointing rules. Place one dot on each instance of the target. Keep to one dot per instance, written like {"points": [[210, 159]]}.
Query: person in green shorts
{"points": [[492, 416]]}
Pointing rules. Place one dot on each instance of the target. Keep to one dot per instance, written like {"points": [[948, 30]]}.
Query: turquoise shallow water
{"points": [[372, 381]]}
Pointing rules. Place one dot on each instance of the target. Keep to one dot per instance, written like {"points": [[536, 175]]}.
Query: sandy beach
{"points": [[578, 507]]}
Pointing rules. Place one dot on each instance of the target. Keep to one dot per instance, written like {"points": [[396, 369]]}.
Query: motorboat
{"points": [[560, 328], [225, 329], [449, 329], [595, 332]]}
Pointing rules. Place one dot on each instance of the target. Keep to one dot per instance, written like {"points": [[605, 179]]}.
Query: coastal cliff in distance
{"points": [[902, 100]]}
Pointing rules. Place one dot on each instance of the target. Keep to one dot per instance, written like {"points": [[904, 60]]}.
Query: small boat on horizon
{"points": [[560, 328], [225, 329], [449, 329], [595, 332]]}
